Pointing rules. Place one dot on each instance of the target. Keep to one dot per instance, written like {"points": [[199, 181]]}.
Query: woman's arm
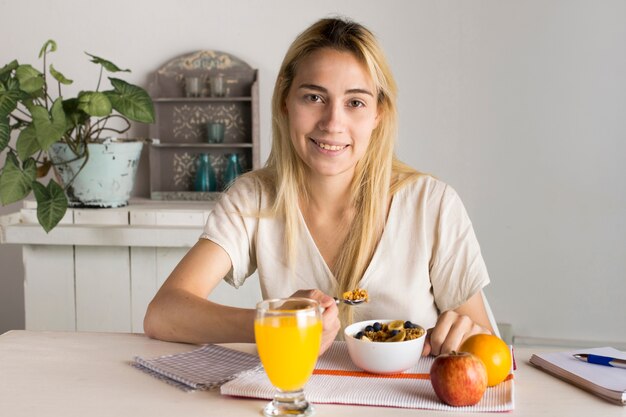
{"points": [[180, 311], [454, 326]]}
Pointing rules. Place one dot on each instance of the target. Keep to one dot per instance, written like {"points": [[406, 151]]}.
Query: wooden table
{"points": [[81, 374]]}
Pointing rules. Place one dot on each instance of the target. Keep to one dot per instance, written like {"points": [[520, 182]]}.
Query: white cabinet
{"points": [[99, 269]]}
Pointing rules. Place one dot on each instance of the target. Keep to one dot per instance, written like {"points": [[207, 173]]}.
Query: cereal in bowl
{"points": [[394, 331]]}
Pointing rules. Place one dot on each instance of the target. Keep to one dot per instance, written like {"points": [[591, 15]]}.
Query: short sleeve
{"points": [[457, 269], [232, 225]]}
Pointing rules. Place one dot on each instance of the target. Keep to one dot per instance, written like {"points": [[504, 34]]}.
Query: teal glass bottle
{"points": [[205, 175], [233, 169]]}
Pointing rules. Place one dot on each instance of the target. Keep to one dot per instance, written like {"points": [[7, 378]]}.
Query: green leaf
{"points": [[51, 204], [131, 101], [74, 116], [94, 103], [5, 72], [15, 184], [49, 127], [49, 44], [27, 143], [30, 79], [108, 65], [59, 77], [30, 168], [5, 132], [8, 100], [12, 85]]}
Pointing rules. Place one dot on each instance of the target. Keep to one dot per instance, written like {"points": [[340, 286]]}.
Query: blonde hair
{"points": [[378, 175]]}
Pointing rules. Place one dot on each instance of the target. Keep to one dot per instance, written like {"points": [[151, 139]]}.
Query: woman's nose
{"points": [[333, 119]]}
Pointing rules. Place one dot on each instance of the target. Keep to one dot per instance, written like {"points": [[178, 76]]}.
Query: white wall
{"points": [[521, 106]]}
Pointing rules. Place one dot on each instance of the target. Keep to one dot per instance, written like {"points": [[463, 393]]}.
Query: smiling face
{"points": [[332, 110]]}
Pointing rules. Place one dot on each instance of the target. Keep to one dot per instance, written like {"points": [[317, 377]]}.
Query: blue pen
{"points": [[601, 360]]}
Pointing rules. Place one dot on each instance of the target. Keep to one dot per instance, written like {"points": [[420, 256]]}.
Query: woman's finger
{"points": [[440, 332]]}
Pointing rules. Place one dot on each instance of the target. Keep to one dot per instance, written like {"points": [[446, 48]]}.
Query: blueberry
{"points": [[358, 335], [377, 326], [408, 325], [394, 332], [369, 329]]}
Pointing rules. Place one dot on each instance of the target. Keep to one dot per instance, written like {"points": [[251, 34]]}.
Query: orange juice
{"points": [[288, 347]]}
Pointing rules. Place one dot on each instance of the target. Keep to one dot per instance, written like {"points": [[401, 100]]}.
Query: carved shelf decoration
{"points": [[180, 134]]}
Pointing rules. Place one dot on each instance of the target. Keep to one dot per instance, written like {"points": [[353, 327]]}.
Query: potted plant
{"points": [[28, 108]]}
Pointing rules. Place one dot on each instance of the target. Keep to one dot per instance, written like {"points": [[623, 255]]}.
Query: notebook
{"points": [[604, 381]]}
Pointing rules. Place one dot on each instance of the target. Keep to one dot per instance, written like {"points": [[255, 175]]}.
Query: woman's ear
{"points": [[379, 116], [380, 108], [283, 105]]}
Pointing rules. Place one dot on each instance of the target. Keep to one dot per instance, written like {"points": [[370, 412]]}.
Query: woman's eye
{"points": [[356, 103], [313, 98]]}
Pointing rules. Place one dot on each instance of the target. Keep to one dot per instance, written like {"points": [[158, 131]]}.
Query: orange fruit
{"points": [[494, 353]]}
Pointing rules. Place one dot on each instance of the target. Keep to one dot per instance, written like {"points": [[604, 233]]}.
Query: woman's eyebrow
{"points": [[321, 89]]}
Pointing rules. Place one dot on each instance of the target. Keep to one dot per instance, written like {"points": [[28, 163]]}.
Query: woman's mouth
{"points": [[329, 147]]}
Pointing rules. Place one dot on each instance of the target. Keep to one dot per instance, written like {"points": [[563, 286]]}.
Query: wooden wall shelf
{"points": [[179, 135]]}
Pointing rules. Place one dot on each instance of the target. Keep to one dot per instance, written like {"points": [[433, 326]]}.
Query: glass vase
{"points": [[233, 169], [205, 175]]}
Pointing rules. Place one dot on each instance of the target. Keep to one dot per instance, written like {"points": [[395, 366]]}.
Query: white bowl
{"points": [[382, 357]]}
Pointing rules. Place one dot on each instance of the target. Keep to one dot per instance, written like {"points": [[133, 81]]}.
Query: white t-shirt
{"points": [[427, 261]]}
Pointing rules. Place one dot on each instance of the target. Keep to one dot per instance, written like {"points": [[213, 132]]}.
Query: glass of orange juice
{"points": [[288, 334]]}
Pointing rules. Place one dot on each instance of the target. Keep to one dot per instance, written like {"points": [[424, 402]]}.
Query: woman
{"points": [[331, 211]]}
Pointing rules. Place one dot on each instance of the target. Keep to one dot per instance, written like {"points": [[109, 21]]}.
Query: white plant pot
{"points": [[107, 179]]}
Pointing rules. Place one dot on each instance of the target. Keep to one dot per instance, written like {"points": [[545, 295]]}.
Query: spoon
{"points": [[349, 302]]}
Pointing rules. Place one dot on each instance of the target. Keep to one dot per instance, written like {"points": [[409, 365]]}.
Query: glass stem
{"points": [[290, 403]]}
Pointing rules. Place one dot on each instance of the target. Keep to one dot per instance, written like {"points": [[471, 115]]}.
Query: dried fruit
{"points": [[396, 325], [398, 336]]}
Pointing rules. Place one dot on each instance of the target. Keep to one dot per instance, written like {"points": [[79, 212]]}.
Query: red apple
{"points": [[459, 379]]}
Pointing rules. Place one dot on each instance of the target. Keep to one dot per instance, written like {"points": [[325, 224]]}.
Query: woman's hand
{"points": [[450, 331], [330, 316]]}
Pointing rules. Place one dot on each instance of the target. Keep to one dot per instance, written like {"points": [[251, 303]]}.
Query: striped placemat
{"points": [[337, 380]]}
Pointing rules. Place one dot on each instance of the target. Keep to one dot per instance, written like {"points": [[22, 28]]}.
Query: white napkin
{"points": [[337, 380], [204, 368]]}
